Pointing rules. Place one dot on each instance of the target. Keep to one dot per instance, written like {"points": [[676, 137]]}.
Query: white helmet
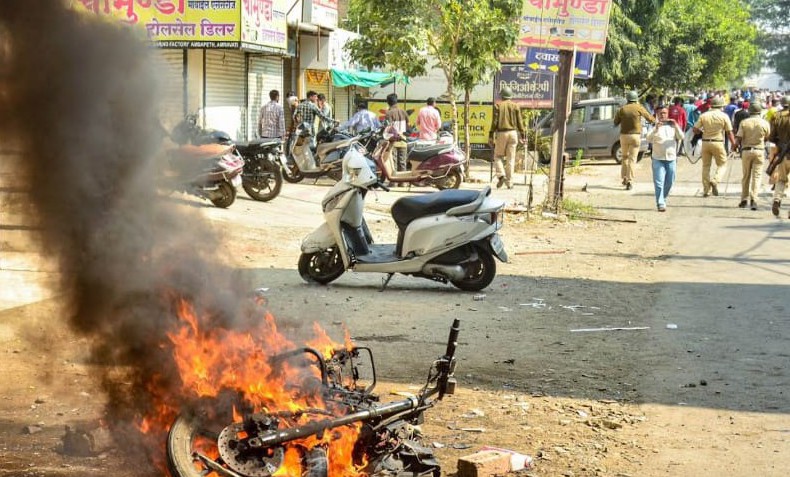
{"points": [[356, 170]]}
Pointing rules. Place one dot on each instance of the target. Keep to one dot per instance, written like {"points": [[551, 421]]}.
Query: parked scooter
{"points": [[262, 176], [322, 159], [209, 171], [448, 236], [440, 165]]}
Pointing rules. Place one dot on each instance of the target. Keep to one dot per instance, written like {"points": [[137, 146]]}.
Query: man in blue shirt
{"points": [[362, 120]]}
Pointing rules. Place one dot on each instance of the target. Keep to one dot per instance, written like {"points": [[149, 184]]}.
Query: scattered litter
{"points": [[472, 429], [540, 252], [31, 429], [517, 461], [672, 326], [77, 442], [632, 328], [503, 308], [460, 446], [581, 414], [574, 308], [473, 413], [261, 290], [437, 445], [480, 297], [538, 303]]}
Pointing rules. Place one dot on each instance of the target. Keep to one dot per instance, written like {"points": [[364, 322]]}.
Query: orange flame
{"points": [[212, 361]]}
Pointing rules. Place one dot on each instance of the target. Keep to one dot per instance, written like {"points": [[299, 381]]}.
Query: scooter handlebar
{"points": [[381, 186]]}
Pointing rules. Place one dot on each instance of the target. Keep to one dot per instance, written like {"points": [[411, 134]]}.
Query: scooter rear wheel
{"points": [[293, 174], [265, 182], [321, 267], [452, 180], [480, 272]]}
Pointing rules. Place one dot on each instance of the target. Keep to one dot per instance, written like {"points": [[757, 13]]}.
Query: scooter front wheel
{"points": [[321, 267], [226, 197], [480, 272]]}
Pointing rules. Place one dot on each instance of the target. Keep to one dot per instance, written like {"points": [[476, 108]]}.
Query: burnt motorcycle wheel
{"points": [[184, 434], [451, 181], [321, 267], [480, 272], [227, 197], [265, 184]]}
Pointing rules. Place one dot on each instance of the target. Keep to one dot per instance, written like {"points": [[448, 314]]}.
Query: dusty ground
{"points": [[706, 398]]}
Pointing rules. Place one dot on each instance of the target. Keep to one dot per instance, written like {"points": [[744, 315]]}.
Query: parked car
{"points": [[590, 128]]}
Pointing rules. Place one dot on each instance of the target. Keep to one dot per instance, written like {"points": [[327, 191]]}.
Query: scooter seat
{"points": [[259, 143], [197, 153], [421, 153], [406, 209]]}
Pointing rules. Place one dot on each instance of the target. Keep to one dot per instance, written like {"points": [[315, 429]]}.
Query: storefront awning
{"points": [[367, 79]]}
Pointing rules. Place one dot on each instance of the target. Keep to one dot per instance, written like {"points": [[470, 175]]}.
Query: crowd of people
{"points": [[754, 124]]}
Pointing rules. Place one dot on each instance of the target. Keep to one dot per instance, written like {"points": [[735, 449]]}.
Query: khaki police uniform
{"points": [[506, 127], [752, 131], [629, 118], [715, 124], [780, 135]]}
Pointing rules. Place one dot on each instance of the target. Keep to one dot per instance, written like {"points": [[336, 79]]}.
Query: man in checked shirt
{"points": [[307, 111], [271, 121]]}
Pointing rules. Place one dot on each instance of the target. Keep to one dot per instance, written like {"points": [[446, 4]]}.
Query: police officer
{"points": [[751, 136], [629, 118], [780, 136], [714, 124], [507, 126]]}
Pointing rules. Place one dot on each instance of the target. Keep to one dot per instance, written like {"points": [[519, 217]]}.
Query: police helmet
{"points": [[786, 100], [632, 96], [717, 102], [755, 108], [505, 93]]}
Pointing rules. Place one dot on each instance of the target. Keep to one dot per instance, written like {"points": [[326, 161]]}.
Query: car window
{"points": [[577, 116], [602, 112]]}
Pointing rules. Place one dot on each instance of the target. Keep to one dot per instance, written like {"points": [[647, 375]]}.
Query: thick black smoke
{"points": [[79, 98]]}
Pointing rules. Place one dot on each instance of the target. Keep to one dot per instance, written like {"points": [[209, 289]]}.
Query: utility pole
{"points": [[562, 101]]}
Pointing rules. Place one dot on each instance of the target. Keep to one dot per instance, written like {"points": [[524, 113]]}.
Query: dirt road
{"points": [[696, 384]]}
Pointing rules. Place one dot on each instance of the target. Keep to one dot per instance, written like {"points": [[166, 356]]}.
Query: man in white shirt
{"points": [[429, 121], [665, 137]]}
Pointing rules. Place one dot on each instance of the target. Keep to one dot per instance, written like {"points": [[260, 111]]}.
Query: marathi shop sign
{"points": [[199, 23], [565, 24], [531, 89], [263, 24]]}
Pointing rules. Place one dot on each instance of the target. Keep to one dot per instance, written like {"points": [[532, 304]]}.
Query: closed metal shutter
{"points": [[264, 74], [170, 63], [226, 92], [341, 103]]}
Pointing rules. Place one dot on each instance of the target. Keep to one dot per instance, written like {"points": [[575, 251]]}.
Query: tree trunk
{"points": [[467, 142]]}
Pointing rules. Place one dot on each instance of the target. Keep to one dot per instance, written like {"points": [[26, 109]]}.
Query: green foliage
{"points": [[774, 38], [574, 209], [677, 44]]}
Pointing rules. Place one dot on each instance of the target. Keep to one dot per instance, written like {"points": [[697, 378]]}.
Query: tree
{"points": [[774, 37], [463, 37]]}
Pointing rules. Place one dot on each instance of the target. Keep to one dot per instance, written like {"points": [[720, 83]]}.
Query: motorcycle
{"points": [[447, 236], [431, 163], [209, 171], [324, 159], [255, 444], [261, 177]]}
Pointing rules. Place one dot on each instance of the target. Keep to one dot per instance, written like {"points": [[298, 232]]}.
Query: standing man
{"points": [[751, 136], [429, 121], [665, 138], [400, 121], [780, 136], [307, 111], [714, 125], [291, 102], [678, 114], [507, 128], [271, 121], [629, 118], [325, 108]]}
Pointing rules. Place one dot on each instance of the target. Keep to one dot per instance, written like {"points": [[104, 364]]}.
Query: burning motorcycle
{"points": [[257, 443], [261, 176]]}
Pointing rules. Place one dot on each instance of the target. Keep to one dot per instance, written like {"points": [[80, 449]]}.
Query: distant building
{"points": [[767, 79]]}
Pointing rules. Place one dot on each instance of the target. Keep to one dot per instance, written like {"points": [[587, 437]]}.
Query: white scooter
{"points": [[447, 236]]}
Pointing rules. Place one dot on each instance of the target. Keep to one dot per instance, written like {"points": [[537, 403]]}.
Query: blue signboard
{"points": [[547, 60], [531, 89]]}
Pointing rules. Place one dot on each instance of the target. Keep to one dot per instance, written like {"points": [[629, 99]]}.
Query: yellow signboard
{"points": [[565, 24], [479, 116], [199, 23]]}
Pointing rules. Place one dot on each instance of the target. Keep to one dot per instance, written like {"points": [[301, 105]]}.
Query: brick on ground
{"points": [[484, 464]]}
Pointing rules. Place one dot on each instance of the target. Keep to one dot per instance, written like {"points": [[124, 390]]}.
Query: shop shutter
{"points": [[265, 73], [170, 63], [341, 103], [226, 92]]}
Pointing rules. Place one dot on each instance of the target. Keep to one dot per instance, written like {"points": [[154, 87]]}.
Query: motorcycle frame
{"points": [[424, 239]]}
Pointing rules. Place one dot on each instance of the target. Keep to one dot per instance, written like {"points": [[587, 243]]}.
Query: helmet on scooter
{"points": [[356, 170]]}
